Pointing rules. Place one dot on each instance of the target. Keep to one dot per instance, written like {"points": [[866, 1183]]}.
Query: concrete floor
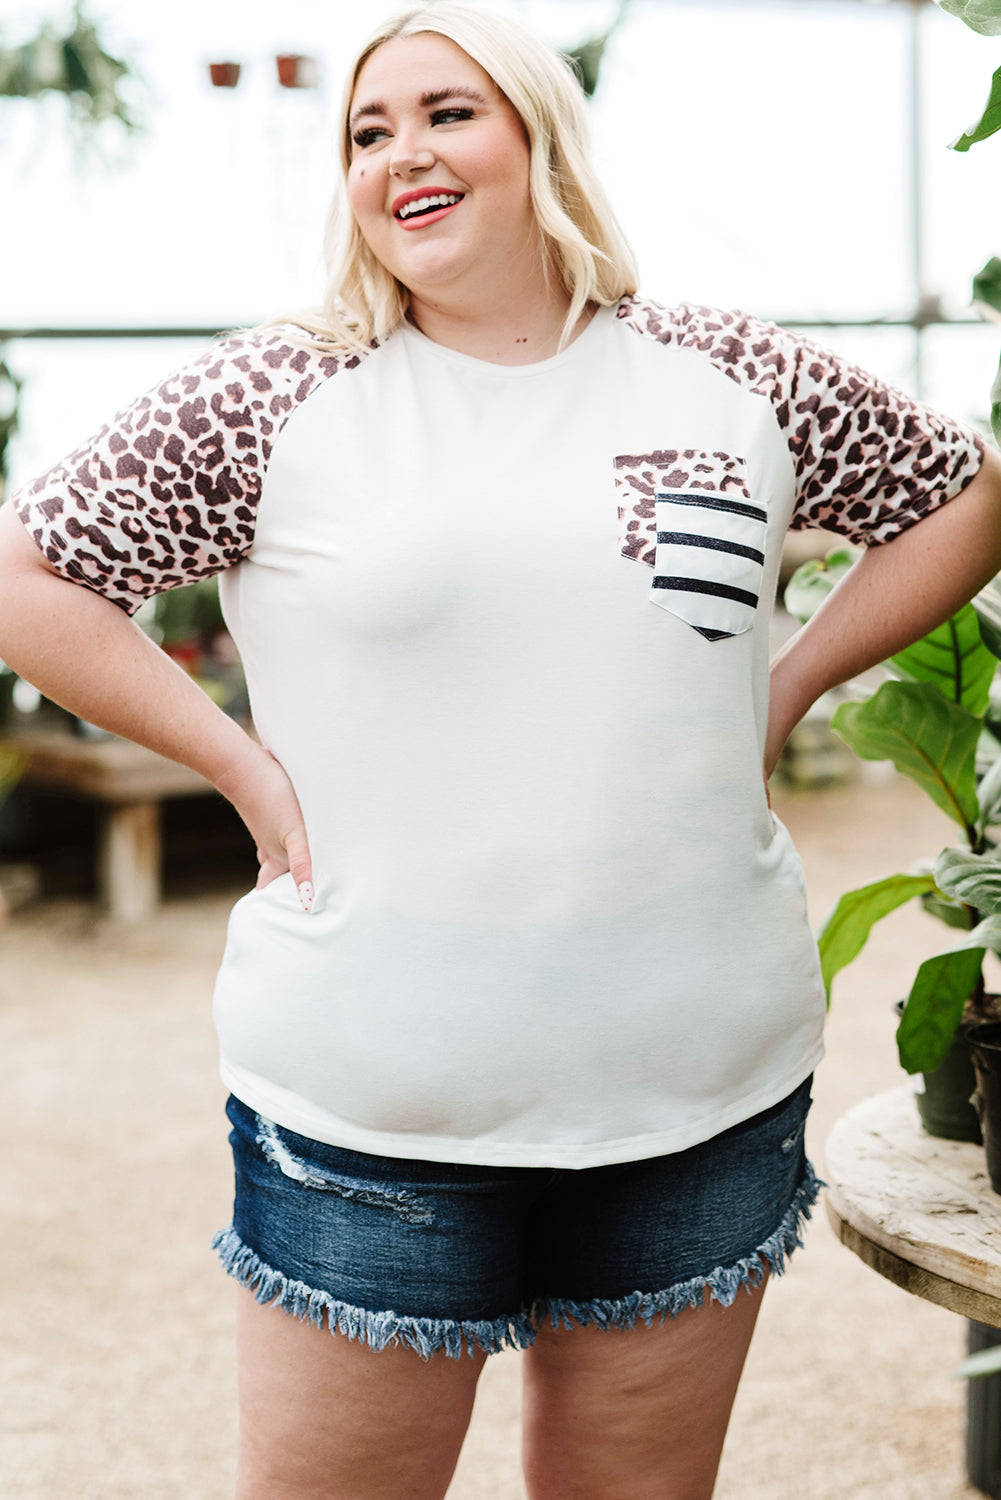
{"points": [[116, 1324]]}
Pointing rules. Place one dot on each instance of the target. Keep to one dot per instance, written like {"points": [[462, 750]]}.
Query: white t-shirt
{"points": [[506, 627]]}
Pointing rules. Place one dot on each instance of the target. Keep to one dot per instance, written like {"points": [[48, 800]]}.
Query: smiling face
{"points": [[438, 177]]}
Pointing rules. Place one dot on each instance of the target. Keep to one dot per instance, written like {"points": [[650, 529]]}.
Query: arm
{"points": [[83, 652], [896, 594]]}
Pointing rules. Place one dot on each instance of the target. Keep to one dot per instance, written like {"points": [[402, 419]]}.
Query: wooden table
{"points": [[128, 784], [917, 1209], [921, 1212]]}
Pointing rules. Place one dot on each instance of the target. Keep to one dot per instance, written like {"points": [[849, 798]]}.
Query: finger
{"points": [[270, 870], [299, 863]]}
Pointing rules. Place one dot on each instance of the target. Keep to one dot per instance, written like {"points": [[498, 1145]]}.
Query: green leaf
{"points": [[588, 57], [984, 1362], [929, 739], [952, 913], [844, 934], [989, 796], [988, 602], [986, 934], [989, 122], [987, 289], [972, 878], [980, 15], [996, 413], [812, 581], [953, 656], [934, 1007]]}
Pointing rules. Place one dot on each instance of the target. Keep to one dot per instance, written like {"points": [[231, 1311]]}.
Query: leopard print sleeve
{"points": [[167, 493], [869, 461]]}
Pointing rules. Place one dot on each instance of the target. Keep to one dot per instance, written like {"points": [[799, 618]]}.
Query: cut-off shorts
{"points": [[440, 1256]]}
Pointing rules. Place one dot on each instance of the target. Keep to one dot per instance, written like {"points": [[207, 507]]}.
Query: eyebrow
{"points": [[426, 101]]}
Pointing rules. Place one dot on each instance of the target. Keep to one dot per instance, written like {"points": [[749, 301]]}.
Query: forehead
{"points": [[409, 65]]}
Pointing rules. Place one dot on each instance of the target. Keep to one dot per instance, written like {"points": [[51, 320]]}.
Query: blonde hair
{"points": [[583, 242]]}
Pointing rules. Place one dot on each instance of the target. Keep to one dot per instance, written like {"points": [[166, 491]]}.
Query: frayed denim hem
{"points": [[380, 1330], [723, 1284], [429, 1336]]}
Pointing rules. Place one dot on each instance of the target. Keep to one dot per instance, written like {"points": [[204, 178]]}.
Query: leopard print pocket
{"points": [[690, 517]]}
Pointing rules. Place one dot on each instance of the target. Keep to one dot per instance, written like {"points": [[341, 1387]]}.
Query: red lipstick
{"points": [[436, 201]]}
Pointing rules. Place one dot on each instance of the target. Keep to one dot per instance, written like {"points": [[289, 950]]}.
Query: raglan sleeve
{"points": [[870, 461], [167, 492]]}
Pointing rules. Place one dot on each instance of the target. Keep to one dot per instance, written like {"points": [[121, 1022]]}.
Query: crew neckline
{"points": [[537, 367]]}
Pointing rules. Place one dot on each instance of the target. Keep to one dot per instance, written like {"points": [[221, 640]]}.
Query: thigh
{"points": [[371, 1291], [635, 1411], [648, 1277], [325, 1417]]}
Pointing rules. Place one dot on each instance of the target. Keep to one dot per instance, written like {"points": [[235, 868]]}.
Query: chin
{"points": [[431, 273]]}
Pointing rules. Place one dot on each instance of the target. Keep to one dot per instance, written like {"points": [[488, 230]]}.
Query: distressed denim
{"points": [[441, 1256]]}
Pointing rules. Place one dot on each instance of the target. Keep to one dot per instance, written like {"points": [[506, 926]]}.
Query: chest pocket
{"points": [[690, 516], [709, 560]]}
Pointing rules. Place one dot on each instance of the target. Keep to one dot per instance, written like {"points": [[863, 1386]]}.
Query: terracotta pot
{"points": [[224, 75], [296, 71]]}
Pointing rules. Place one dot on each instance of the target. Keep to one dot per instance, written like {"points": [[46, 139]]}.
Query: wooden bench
{"points": [[128, 783]]}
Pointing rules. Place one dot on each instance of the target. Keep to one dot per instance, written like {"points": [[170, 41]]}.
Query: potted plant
{"points": [[935, 719]]}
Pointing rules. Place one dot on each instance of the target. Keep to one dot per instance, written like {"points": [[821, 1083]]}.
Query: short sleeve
{"points": [[167, 492], [869, 461]]}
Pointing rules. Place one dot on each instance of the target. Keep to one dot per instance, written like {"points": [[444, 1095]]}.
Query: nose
{"points": [[410, 153]]}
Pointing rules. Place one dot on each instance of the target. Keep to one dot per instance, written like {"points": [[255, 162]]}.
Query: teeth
{"points": [[421, 205]]}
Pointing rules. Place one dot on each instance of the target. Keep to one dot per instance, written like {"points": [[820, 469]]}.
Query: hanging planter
{"points": [[224, 75], [296, 71], [74, 64]]}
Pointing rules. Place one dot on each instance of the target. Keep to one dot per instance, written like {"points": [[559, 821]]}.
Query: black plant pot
{"points": [[946, 1107], [985, 1044]]}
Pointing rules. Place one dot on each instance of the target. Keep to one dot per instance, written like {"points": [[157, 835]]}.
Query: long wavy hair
{"points": [[582, 242]]}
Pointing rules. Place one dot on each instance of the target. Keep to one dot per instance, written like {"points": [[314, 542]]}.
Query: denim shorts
{"points": [[449, 1257]]}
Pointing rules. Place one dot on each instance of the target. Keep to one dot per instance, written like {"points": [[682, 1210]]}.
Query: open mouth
{"points": [[419, 208]]}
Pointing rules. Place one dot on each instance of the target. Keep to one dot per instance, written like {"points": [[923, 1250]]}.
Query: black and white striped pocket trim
{"points": [[709, 562]]}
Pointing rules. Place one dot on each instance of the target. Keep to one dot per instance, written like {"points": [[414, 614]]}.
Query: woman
{"points": [[520, 1020]]}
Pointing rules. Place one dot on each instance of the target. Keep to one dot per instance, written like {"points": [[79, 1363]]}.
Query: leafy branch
{"points": [[983, 16]]}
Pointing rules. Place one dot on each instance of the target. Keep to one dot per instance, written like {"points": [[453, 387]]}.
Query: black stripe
{"points": [[682, 539], [709, 501], [706, 586]]}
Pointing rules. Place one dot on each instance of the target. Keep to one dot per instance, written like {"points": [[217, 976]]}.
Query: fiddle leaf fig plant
{"points": [[987, 301], [980, 15], [929, 738], [983, 16], [931, 718]]}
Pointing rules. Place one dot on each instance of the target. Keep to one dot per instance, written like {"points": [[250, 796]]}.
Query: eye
{"points": [[451, 116], [369, 135]]}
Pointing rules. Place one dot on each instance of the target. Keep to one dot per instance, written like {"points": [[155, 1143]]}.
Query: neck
{"points": [[507, 327]]}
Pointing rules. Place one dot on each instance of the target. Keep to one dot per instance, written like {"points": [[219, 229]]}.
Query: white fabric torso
{"points": [[554, 921]]}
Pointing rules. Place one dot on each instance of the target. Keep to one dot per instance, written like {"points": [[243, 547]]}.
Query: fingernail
{"points": [[306, 895]]}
